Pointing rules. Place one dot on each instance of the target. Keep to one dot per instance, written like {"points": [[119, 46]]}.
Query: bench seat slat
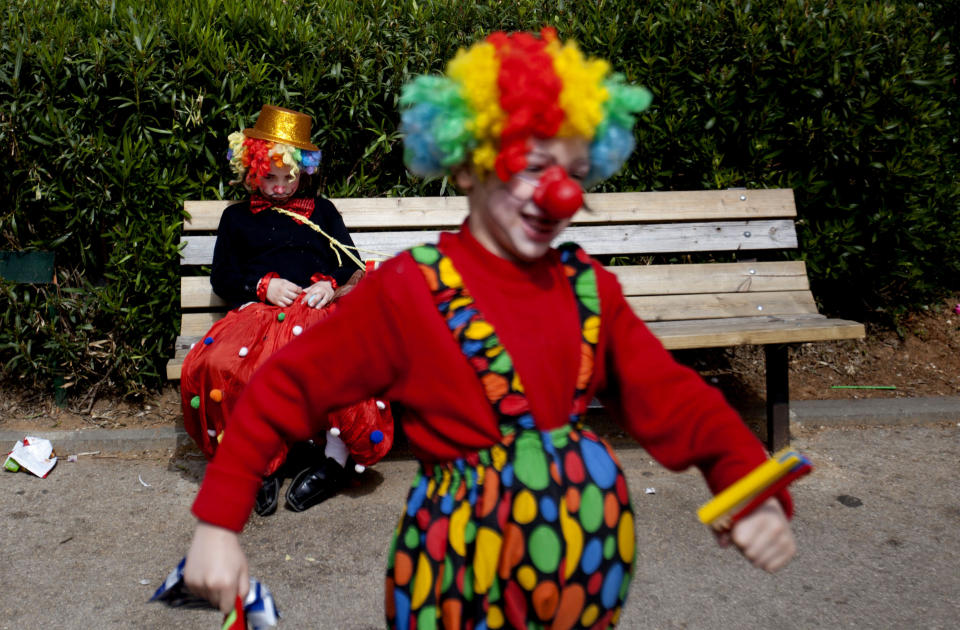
{"points": [[656, 238], [754, 331], [649, 308], [694, 334], [674, 334], [655, 308], [449, 212]]}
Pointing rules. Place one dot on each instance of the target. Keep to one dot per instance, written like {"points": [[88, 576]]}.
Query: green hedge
{"points": [[114, 112]]}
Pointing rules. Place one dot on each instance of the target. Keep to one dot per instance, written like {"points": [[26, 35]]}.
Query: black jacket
{"points": [[251, 245]]}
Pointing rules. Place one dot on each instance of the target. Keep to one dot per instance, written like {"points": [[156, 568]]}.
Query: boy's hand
{"points": [[318, 294], [216, 568], [282, 292], [764, 537]]}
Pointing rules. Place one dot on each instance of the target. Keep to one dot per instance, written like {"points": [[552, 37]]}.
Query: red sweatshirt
{"points": [[388, 340]]}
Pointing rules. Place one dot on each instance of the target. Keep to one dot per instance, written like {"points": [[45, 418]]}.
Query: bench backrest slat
{"points": [[636, 280], [720, 305], [195, 324], [196, 292], [656, 238], [448, 212], [788, 275]]}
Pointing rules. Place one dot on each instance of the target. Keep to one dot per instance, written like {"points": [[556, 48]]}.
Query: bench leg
{"points": [[778, 396]]}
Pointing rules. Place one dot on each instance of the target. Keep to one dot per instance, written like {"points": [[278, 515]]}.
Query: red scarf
{"points": [[298, 205]]}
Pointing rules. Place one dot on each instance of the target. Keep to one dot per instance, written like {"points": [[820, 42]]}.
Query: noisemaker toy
{"points": [[747, 494], [256, 612]]}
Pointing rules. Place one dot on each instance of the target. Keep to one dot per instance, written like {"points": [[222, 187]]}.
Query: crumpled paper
{"points": [[32, 453]]}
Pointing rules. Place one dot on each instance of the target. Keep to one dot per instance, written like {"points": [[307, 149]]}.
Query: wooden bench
{"points": [[687, 305]]}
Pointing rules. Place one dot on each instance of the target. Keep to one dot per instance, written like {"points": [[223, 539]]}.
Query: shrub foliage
{"points": [[115, 111]]}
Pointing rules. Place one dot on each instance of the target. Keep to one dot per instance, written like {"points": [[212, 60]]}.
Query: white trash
{"points": [[32, 453]]}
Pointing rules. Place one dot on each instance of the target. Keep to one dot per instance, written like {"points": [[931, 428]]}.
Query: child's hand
{"points": [[282, 292], [764, 537], [318, 294], [216, 568]]}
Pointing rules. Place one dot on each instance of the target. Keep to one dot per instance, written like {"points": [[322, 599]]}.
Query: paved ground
{"points": [[877, 527]]}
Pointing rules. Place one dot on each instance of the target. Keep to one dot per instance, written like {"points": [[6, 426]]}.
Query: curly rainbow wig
{"points": [[509, 88], [250, 158]]}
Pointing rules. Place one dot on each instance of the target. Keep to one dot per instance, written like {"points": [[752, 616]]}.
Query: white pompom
{"points": [[243, 351], [359, 468], [381, 405], [192, 345], [335, 432], [211, 433], [297, 330]]}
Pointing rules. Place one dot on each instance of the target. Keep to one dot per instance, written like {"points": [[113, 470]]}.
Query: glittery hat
{"points": [[278, 124]]}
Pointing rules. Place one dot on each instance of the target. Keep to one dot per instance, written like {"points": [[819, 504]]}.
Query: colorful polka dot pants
{"points": [[536, 532]]}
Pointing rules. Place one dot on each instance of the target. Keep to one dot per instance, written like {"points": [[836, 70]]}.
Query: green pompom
{"points": [[195, 402], [281, 317]]}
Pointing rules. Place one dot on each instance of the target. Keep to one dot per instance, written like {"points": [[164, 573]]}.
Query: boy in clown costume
{"points": [[282, 260], [519, 515]]}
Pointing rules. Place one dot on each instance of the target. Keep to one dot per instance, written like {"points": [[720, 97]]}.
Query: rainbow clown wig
{"points": [[509, 88], [250, 158]]}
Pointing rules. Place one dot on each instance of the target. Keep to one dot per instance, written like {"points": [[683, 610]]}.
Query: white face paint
{"points": [[503, 216], [279, 184]]}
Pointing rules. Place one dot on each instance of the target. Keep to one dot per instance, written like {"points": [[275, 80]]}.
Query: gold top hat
{"points": [[278, 124]]}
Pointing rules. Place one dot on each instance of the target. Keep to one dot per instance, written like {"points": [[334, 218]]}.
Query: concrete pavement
{"points": [[876, 524]]}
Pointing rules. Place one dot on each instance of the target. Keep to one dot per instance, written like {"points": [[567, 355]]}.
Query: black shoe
{"points": [[316, 484], [268, 496]]}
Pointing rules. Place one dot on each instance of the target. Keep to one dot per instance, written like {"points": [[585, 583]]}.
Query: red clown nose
{"points": [[558, 195]]}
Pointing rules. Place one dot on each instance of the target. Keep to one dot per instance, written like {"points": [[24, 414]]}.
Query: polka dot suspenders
{"points": [[482, 347]]}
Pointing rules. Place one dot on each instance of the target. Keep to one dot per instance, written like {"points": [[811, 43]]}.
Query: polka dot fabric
{"points": [[535, 532], [215, 373]]}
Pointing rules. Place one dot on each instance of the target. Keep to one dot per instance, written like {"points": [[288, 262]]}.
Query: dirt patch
{"points": [[24, 410], [924, 362]]}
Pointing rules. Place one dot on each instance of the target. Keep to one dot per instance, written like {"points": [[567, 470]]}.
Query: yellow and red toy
{"points": [[745, 495]]}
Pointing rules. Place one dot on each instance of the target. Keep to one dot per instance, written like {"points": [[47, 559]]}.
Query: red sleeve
{"points": [[317, 277], [289, 397], [263, 284], [677, 417]]}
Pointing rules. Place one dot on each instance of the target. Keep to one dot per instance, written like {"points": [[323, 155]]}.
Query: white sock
{"points": [[336, 449]]}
